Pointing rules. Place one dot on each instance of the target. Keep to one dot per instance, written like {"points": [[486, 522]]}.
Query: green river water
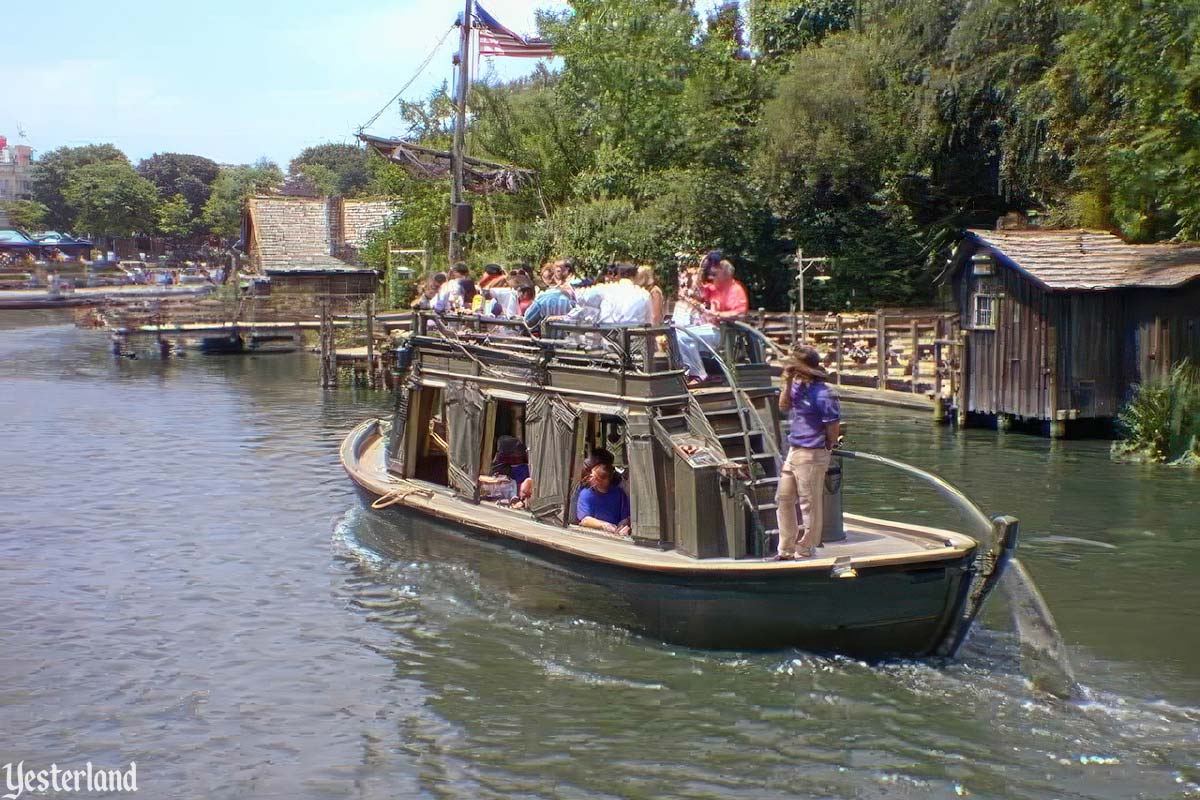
{"points": [[189, 582]]}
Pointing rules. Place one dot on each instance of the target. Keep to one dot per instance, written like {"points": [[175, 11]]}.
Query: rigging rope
{"points": [[417, 74]]}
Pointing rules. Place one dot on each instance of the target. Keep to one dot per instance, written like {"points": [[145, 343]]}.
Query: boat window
{"points": [[506, 464], [429, 443], [598, 431]]}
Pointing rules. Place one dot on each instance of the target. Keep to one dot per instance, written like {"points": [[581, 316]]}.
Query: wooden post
{"points": [[371, 341], [881, 350], [840, 356], [1058, 426], [328, 373], [939, 402], [964, 357], [915, 338]]}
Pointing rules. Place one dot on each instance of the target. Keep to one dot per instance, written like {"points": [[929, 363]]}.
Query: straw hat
{"points": [[804, 363]]}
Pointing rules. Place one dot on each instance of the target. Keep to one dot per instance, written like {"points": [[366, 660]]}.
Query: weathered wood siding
{"points": [[1009, 367], [1093, 345]]}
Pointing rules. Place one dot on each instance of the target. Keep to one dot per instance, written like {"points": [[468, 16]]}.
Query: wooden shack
{"points": [[1058, 325]]}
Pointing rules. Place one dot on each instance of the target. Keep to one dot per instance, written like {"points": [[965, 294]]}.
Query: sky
{"points": [[231, 80]]}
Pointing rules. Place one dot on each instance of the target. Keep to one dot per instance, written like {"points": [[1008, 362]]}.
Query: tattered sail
{"points": [[479, 176]]}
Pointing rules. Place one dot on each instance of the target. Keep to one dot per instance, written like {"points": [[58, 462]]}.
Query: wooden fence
{"points": [[913, 351]]}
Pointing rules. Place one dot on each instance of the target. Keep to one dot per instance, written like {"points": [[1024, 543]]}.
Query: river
{"points": [[190, 583]]}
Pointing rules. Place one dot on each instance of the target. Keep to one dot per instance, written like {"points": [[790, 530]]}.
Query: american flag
{"points": [[497, 40]]}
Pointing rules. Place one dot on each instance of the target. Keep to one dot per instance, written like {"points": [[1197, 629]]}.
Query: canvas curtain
{"points": [[550, 428], [464, 422]]}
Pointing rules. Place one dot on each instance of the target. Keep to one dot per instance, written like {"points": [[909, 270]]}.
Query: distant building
{"points": [[16, 171], [1060, 324], [308, 247], [281, 233]]}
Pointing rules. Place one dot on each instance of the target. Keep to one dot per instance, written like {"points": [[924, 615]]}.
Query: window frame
{"points": [[993, 308]]}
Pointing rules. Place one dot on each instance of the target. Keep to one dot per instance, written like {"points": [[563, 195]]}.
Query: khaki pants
{"points": [[801, 484]]}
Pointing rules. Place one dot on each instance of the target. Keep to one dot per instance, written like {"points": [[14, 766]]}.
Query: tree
{"points": [[625, 63], [346, 163], [54, 170], [181, 174], [782, 27], [311, 180], [27, 215], [111, 199], [173, 217], [223, 211]]}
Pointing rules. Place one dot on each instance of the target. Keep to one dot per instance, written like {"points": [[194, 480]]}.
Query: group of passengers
{"points": [[623, 294], [599, 501]]}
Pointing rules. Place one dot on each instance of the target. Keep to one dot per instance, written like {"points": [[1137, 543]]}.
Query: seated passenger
{"points": [[511, 452], [618, 302], [499, 486], [603, 505]]}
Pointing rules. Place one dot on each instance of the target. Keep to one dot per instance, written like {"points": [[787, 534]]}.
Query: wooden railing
{"points": [[914, 351]]}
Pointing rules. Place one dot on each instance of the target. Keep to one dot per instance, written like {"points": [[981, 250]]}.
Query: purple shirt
{"points": [[814, 405]]}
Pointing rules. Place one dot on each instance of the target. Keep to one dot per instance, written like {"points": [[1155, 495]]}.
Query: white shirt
{"points": [[620, 303], [449, 297], [506, 298]]}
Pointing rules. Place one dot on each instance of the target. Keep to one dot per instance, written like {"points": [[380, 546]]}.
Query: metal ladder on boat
{"points": [[748, 440]]}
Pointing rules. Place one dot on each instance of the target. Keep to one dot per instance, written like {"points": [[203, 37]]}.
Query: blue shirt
{"points": [[814, 405], [520, 472], [550, 303], [611, 506]]}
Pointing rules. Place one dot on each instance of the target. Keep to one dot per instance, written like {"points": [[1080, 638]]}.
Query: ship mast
{"points": [[460, 212]]}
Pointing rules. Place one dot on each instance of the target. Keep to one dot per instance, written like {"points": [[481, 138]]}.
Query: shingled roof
{"points": [[1091, 260], [291, 233]]}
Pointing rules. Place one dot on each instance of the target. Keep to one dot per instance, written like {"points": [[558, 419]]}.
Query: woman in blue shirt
{"points": [[815, 416], [603, 505]]}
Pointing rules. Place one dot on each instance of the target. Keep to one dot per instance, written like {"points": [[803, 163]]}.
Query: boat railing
{"points": [[997, 537], [630, 348]]}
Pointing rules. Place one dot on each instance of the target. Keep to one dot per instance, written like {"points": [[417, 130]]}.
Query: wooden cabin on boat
{"points": [[701, 468], [605, 388], [1060, 324]]}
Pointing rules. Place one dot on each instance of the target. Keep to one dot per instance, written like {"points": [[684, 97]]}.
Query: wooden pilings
{"points": [[328, 371]]}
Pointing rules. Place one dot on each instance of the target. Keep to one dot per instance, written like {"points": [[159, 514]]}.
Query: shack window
{"points": [[984, 312]]}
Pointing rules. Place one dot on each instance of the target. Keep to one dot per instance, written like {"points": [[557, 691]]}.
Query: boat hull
{"points": [[898, 611]]}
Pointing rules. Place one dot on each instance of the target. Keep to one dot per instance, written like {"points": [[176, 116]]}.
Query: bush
{"points": [[1161, 422]]}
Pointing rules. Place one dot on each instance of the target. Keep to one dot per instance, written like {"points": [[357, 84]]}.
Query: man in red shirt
{"points": [[726, 296]]}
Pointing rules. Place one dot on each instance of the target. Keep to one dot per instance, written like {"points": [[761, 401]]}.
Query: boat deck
{"points": [[869, 542]]}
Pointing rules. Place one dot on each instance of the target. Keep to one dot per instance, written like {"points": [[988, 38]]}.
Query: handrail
{"points": [[779, 351], [964, 505], [748, 494]]}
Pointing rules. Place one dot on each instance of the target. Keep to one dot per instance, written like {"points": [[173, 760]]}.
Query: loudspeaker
{"points": [[462, 217]]}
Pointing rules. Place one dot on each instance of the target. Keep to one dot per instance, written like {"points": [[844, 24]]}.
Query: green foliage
{"points": [[182, 174], [173, 217], [785, 26], [1124, 101], [336, 169], [28, 215], [626, 62], [111, 199], [324, 181], [1161, 422], [223, 211], [54, 170]]}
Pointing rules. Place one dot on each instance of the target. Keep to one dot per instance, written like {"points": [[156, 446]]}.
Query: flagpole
{"points": [[460, 125]]}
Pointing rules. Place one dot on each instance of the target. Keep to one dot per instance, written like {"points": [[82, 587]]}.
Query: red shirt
{"points": [[732, 297]]}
